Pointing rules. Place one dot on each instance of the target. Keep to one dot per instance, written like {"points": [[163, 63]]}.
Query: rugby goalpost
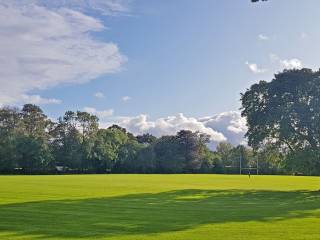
{"points": [[256, 169]]}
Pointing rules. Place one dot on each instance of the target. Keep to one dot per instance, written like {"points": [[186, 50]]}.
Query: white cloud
{"points": [[254, 68], [126, 98], [167, 126], [38, 100], [99, 95], [105, 7], [231, 124], [42, 46], [227, 126], [263, 37], [100, 114], [293, 63]]}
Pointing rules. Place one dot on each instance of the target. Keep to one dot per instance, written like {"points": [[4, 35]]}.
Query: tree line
{"points": [[283, 118], [31, 143]]}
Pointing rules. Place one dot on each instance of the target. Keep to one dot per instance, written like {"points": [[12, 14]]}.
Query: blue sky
{"points": [[189, 57], [153, 59]]}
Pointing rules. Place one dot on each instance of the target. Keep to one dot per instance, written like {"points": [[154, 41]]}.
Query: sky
{"points": [[155, 66]]}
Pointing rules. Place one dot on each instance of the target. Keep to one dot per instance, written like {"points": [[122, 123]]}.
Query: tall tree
{"points": [[36, 123], [10, 127], [169, 158], [107, 147], [67, 143], [33, 151], [286, 113]]}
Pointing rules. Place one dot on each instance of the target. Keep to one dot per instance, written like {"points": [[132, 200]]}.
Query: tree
{"points": [[87, 123], [146, 138], [229, 162], [188, 147], [303, 161], [185, 152], [67, 143], [286, 113], [24, 142], [35, 122], [33, 151], [33, 154], [10, 126], [271, 160], [128, 156], [145, 161], [169, 158], [108, 145]]}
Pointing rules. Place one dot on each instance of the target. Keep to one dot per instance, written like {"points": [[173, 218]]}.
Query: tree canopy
{"points": [[32, 143], [285, 112]]}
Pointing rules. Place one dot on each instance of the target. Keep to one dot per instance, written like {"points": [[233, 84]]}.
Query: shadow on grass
{"points": [[153, 213]]}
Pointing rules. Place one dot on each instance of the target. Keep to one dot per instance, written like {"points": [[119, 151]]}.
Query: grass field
{"points": [[188, 207]]}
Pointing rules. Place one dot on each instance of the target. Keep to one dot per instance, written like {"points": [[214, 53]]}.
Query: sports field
{"points": [[188, 207]]}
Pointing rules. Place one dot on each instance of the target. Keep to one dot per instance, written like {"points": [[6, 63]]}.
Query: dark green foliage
{"points": [[310, 164], [146, 138], [286, 113], [33, 154], [285, 110], [31, 143], [270, 160]]}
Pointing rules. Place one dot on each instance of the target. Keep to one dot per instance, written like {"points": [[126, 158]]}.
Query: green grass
{"points": [[159, 207]]}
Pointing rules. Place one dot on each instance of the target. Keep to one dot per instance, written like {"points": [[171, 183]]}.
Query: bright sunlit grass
{"points": [[159, 207]]}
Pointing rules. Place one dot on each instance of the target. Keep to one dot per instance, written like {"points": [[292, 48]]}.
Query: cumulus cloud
{"points": [[44, 45], [227, 126], [167, 126], [263, 37], [253, 67], [38, 100], [126, 98], [230, 124], [105, 7], [100, 114], [99, 95], [293, 63]]}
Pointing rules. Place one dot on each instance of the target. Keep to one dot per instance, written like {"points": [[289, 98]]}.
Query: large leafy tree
{"points": [[192, 146], [35, 122], [67, 142], [32, 144], [286, 113], [109, 147], [10, 126], [185, 152], [33, 154], [169, 158]]}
